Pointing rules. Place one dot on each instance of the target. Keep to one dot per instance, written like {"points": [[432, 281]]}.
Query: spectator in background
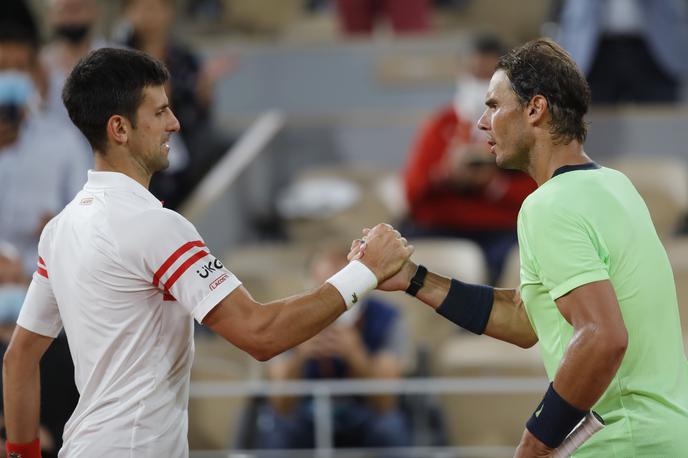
{"points": [[147, 26], [366, 342], [359, 17], [45, 98], [12, 288], [453, 186], [71, 25], [630, 50], [42, 165]]}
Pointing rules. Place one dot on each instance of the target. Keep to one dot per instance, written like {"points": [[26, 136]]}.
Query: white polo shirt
{"points": [[124, 276]]}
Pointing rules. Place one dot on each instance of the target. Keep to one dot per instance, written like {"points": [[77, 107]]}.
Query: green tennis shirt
{"points": [[588, 223]]}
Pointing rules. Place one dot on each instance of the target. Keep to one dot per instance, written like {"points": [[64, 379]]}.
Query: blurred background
{"points": [[304, 121]]}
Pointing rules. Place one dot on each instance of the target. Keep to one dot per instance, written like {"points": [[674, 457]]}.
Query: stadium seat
{"points": [[663, 183]]}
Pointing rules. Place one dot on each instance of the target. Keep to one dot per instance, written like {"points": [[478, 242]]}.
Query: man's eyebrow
{"points": [[163, 106]]}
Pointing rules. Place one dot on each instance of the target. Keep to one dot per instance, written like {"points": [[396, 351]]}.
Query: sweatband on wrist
{"points": [[468, 305], [353, 281], [29, 450], [554, 419]]}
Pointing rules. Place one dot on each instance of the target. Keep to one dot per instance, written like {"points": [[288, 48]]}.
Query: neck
{"points": [[122, 163], [547, 157]]}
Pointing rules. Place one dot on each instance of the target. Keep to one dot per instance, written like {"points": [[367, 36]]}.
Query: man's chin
{"points": [[507, 162], [502, 161], [162, 164]]}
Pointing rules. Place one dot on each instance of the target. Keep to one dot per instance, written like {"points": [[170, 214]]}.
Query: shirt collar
{"points": [[571, 168], [98, 180]]}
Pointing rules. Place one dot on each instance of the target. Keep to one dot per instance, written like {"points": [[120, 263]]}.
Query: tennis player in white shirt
{"points": [[125, 278]]}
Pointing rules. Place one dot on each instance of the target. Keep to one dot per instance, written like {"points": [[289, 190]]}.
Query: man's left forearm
{"points": [[21, 381], [588, 367]]}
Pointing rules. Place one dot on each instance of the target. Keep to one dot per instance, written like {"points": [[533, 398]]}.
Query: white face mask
{"points": [[17, 88], [469, 100]]}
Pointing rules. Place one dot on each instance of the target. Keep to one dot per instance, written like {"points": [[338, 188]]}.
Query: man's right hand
{"points": [[401, 280], [383, 250]]}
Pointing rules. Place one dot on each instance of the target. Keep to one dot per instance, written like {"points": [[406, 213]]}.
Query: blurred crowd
{"points": [[630, 50]]}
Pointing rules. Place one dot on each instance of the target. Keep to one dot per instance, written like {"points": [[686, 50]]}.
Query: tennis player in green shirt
{"points": [[597, 291]]}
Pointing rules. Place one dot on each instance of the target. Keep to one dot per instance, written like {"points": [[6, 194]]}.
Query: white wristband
{"points": [[353, 281]]}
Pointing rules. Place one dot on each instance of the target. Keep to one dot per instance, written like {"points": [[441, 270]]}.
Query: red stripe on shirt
{"points": [[178, 273], [41, 262], [42, 271], [168, 297], [173, 257]]}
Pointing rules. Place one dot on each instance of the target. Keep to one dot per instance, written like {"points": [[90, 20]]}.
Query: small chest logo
{"points": [[209, 268], [86, 201]]}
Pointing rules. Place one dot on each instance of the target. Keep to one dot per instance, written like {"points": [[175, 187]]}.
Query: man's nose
{"points": [[174, 124], [483, 122]]}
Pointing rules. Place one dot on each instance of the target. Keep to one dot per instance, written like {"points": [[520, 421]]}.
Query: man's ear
{"points": [[118, 128], [537, 109]]}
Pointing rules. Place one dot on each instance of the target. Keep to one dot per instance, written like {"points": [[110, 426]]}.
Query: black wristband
{"points": [[554, 419], [468, 305], [417, 281]]}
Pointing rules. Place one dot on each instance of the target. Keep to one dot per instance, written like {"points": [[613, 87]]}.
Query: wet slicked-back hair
{"points": [[543, 67], [109, 82]]}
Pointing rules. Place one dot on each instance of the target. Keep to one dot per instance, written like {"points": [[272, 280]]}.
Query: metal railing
{"points": [[233, 163], [323, 391]]}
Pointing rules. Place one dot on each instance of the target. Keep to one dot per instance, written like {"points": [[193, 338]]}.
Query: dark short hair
{"points": [[543, 67], [109, 82], [18, 24]]}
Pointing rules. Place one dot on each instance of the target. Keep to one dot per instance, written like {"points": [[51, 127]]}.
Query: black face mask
{"points": [[10, 114], [73, 33]]}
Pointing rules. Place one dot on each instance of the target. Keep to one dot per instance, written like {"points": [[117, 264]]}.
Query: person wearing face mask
{"points": [[71, 24], [453, 187], [71, 27], [41, 164], [146, 25]]}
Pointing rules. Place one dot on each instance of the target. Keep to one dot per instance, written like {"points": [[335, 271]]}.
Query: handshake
{"points": [[387, 255]]}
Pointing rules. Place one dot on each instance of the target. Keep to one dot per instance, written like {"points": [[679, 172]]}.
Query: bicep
{"points": [[233, 317], [592, 303], [29, 345]]}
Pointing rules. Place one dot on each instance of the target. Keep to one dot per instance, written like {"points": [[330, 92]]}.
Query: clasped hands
{"points": [[387, 254]]}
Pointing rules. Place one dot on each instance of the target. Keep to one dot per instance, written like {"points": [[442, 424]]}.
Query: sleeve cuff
{"points": [[579, 280], [214, 298], [39, 327]]}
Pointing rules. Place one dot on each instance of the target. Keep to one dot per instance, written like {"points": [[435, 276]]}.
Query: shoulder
{"points": [[153, 225], [49, 230], [551, 206], [542, 200]]}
